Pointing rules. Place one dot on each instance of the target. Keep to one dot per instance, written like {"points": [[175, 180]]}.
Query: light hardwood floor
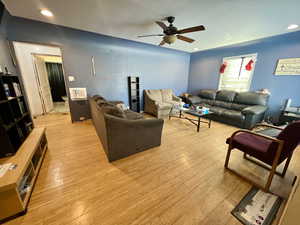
{"points": [[182, 182]]}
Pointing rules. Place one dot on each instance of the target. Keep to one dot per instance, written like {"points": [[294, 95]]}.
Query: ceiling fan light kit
{"points": [[169, 39], [171, 33]]}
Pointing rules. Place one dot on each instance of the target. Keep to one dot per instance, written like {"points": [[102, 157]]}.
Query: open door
{"points": [[44, 86]]}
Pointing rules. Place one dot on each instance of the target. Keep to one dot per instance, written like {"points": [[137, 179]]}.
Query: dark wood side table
{"points": [[288, 117], [192, 112]]}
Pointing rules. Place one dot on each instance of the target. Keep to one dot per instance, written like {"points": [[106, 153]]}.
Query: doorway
{"points": [[42, 73], [49, 71]]}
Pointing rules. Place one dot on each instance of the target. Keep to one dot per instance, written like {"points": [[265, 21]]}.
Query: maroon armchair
{"points": [[271, 151]]}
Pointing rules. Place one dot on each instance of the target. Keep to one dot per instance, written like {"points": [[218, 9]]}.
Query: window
{"points": [[236, 73]]}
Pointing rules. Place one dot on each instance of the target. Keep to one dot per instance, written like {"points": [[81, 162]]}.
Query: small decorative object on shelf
{"points": [[134, 93], [6, 90]]}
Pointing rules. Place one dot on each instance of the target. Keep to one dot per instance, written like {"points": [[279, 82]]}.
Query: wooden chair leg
{"points": [[270, 179], [274, 166], [227, 157], [287, 163]]}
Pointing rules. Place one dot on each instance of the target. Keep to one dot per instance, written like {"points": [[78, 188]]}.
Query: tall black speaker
{"points": [[134, 93]]}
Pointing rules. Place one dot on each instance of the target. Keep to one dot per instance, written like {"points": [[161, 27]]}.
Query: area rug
{"points": [[257, 208]]}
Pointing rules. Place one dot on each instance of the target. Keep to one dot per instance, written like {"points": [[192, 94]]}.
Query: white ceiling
{"points": [[227, 21]]}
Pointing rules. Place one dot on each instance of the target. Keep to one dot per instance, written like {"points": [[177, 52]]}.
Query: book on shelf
{"points": [[22, 107], [17, 89], [20, 133]]}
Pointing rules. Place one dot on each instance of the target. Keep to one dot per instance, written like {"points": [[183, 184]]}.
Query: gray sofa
{"points": [[159, 102], [244, 109], [123, 132]]}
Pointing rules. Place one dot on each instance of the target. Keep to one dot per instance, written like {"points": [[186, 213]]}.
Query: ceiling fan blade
{"points": [[162, 43], [191, 29], [183, 38], [150, 35], [162, 25]]}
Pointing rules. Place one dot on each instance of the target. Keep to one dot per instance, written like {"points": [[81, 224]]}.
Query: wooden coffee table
{"points": [[195, 113]]}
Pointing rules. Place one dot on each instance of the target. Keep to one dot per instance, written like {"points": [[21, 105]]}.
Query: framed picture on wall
{"points": [[290, 66]]}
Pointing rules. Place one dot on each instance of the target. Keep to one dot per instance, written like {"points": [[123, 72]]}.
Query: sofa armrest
{"points": [[175, 98], [193, 99], [253, 115], [150, 100], [254, 110]]}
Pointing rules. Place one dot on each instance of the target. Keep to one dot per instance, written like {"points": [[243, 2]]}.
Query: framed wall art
{"points": [[290, 66]]}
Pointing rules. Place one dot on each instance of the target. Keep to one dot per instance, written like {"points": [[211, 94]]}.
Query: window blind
{"points": [[235, 76]]}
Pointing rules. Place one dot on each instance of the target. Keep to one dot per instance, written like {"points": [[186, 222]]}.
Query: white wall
{"points": [[24, 53]]}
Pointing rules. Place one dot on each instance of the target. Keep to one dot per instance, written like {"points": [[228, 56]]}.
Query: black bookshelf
{"points": [[15, 120], [134, 93]]}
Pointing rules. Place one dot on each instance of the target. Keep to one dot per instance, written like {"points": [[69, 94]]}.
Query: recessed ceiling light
{"points": [[292, 26], [46, 12], [196, 49]]}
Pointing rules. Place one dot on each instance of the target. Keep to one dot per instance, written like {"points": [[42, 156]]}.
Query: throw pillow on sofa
{"points": [[155, 95], [167, 95], [122, 106], [97, 97], [101, 102], [130, 115], [113, 110]]}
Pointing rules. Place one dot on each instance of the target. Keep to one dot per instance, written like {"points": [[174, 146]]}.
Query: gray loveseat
{"points": [[243, 109], [123, 132], [159, 102]]}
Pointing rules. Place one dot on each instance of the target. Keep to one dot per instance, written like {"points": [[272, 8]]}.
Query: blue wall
{"points": [[115, 59], [157, 67], [205, 65]]}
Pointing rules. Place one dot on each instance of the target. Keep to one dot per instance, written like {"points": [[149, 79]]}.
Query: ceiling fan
{"points": [[171, 33]]}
